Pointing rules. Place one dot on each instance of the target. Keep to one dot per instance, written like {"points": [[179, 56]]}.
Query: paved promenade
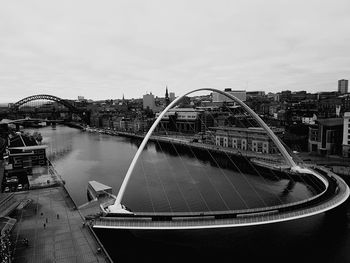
{"points": [[53, 228]]}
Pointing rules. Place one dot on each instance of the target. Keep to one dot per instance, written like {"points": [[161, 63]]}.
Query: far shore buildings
{"points": [[149, 101], [343, 86], [219, 98], [181, 120], [346, 135], [325, 137], [247, 139]]}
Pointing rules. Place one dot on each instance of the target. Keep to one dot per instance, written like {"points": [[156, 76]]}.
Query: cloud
{"points": [[106, 49]]}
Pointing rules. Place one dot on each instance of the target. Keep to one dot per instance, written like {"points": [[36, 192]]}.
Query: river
{"points": [[168, 181]]}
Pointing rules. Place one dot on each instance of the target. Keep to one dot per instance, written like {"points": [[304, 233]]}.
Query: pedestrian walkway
{"points": [[54, 230]]}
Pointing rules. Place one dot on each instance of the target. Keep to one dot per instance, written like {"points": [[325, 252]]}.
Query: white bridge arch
{"points": [[118, 208]]}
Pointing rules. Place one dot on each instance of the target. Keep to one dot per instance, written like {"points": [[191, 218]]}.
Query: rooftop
{"points": [[20, 140], [252, 129], [98, 186], [331, 122]]}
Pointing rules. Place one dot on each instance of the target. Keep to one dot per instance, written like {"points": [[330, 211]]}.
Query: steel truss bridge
{"points": [[83, 114], [334, 192]]}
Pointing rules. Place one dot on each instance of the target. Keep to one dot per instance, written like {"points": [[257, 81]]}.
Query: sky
{"points": [[104, 49]]}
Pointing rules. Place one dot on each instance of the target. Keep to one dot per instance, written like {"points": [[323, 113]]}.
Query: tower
{"points": [[167, 100], [343, 86]]}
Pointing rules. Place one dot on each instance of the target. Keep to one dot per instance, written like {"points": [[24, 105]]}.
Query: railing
{"points": [[279, 211]]}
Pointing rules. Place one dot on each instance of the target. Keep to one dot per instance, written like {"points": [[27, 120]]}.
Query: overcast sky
{"points": [[104, 49]]}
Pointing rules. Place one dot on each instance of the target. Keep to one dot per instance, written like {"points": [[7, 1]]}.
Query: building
{"points": [[172, 96], [182, 120], [4, 130], [149, 101], [346, 135], [286, 95], [343, 86], [239, 94], [298, 96], [325, 137], [247, 139], [327, 95], [134, 125], [327, 107], [23, 157], [255, 94], [24, 152]]}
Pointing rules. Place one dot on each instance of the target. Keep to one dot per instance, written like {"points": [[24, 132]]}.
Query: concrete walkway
{"points": [[54, 230]]}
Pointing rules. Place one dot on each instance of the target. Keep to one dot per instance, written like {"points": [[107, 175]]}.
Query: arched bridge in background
{"points": [[83, 114]]}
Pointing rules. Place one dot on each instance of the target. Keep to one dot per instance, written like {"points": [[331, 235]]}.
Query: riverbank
{"points": [[188, 142], [49, 220], [54, 230], [336, 164]]}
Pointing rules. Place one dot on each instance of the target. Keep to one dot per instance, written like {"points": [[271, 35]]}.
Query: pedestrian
{"points": [[44, 225], [46, 220], [58, 216]]}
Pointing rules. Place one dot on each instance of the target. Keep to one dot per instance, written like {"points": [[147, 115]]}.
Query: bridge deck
{"points": [[210, 221]]}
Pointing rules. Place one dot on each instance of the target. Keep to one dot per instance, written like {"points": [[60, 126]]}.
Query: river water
{"points": [[168, 181]]}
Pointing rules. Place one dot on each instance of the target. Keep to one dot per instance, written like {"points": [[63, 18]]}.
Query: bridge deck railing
{"points": [[331, 189]]}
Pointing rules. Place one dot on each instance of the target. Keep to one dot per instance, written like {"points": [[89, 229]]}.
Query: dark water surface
{"points": [[164, 181]]}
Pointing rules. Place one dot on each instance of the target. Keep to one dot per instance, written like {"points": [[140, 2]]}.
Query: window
{"points": [[313, 134], [234, 143], [331, 136], [265, 148], [244, 144], [41, 156], [225, 143], [217, 141], [254, 146]]}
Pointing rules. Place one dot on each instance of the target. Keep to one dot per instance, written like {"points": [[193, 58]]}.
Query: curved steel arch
{"points": [[117, 205], [45, 97]]}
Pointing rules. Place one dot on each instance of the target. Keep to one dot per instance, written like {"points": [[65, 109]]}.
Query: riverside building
{"points": [[246, 139], [346, 135], [183, 120]]}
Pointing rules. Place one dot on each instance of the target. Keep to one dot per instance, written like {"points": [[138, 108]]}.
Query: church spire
{"points": [[167, 100]]}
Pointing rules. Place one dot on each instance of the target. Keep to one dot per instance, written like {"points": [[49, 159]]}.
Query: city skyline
{"points": [[104, 51]]}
